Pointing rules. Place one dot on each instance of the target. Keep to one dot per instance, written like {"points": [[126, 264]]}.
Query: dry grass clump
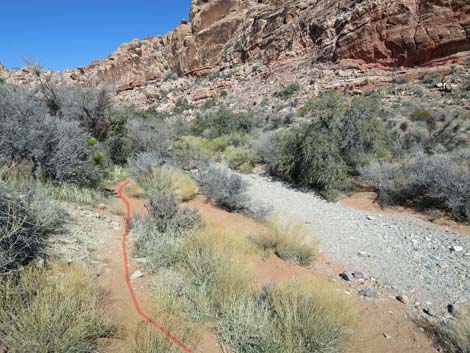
{"points": [[56, 310], [168, 178], [454, 335], [289, 318], [144, 338], [290, 241], [311, 317], [218, 269]]}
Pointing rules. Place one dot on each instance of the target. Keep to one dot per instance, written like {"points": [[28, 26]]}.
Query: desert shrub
{"points": [[191, 151], [239, 157], [227, 188], [421, 115], [436, 181], [247, 327], [25, 222], [149, 135], [292, 317], [311, 317], [264, 147], [454, 335], [289, 241], [221, 122], [58, 148], [342, 135], [288, 91], [218, 270], [432, 79], [401, 80], [59, 310], [158, 236]]}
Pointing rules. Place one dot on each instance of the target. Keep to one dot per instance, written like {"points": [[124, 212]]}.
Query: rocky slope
{"points": [[227, 33]]}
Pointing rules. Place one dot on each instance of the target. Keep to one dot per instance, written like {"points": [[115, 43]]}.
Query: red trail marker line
{"points": [[126, 269]]}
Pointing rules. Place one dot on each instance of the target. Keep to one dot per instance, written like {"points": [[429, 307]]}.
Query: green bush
{"points": [[221, 122], [421, 115], [288, 91], [343, 134]]}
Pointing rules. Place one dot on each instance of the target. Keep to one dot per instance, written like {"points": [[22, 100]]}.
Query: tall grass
{"points": [[290, 241], [311, 317], [57, 310], [218, 269]]}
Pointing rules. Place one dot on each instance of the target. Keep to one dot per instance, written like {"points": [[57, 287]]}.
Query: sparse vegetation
{"points": [[288, 91], [158, 236], [59, 310], [26, 220], [144, 338]]}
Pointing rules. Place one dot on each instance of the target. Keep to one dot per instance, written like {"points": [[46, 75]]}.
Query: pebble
{"points": [[359, 275], [429, 311], [381, 245], [403, 299], [456, 310], [347, 276], [136, 274], [369, 293], [456, 248]]}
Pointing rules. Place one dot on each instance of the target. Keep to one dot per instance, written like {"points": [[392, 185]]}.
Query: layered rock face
{"points": [[226, 33]]}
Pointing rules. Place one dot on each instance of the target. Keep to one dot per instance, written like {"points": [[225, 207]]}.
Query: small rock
{"points": [[102, 206], [364, 254], [347, 276], [456, 310], [136, 274], [429, 311], [369, 293], [386, 335], [403, 299], [370, 218], [456, 248], [359, 275]]}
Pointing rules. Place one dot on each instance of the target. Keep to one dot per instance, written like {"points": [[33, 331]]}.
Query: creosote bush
{"points": [[342, 135], [59, 309], [221, 122]]}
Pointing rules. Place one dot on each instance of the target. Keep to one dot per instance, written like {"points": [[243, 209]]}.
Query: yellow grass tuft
{"points": [[290, 241]]}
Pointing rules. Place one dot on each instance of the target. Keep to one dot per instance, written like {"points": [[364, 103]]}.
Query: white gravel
{"points": [[403, 253]]}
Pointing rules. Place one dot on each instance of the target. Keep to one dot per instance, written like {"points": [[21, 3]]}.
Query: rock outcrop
{"points": [[227, 33], [3, 73]]}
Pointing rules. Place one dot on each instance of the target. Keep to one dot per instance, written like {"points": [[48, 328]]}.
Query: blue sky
{"points": [[62, 34]]}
